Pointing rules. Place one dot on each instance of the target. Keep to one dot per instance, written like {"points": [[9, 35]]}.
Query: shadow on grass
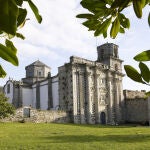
{"points": [[91, 138], [98, 125]]}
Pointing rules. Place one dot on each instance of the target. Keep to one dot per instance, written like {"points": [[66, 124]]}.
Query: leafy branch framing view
{"points": [[104, 16], [12, 18], [107, 16]]}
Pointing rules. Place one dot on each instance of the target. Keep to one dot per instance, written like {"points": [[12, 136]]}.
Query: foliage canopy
{"points": [[107, 16], [12, 18], [6, 108]]}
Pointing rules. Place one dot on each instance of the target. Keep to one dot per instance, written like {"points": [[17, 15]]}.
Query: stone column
{"points": [[116, 101], [121, 101], [75, 96], [96, 98], [82, 96], [91, 103], [20, 98], [38, 95], [13, 99], [110, 107], [87, 102], [50, 96], [78, 117]]}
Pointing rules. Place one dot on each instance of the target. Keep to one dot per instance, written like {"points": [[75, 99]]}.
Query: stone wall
{"points": [[38, 116], [136, 106]]}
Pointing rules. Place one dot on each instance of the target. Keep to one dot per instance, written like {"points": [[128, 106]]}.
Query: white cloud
{"points": [[61, 35]]}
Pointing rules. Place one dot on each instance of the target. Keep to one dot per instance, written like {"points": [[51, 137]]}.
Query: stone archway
{"points": [[103, 118]]}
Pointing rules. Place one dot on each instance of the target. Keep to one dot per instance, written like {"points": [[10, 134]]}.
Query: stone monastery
{"points": [[91, 91]]}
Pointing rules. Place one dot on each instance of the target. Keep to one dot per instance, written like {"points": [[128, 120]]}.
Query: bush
{"points": [[6, 108]]}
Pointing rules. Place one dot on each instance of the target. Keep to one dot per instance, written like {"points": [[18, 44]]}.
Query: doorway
{"points": [[103, 118]]}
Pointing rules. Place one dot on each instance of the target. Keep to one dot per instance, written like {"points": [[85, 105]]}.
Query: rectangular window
{"points": [[8, 88], [40, 74], [30, 74]]}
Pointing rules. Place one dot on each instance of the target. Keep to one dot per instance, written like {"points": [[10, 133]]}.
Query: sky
{"points": [[61, 35]]}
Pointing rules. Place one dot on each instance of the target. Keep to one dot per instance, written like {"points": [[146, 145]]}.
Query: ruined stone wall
{"points": [[65, 87], [38, 116], [136, 106]]}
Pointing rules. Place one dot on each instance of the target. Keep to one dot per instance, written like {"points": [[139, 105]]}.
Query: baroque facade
{"points": [[91, 91]]}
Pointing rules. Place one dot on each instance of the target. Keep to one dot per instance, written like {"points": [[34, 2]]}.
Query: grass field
{"points": [[28, 136]]}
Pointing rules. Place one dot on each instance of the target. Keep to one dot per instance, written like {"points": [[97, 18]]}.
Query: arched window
{"points": [[8, 88]]}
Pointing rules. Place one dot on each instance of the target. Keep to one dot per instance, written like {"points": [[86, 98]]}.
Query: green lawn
{"points": [[29, 136]]}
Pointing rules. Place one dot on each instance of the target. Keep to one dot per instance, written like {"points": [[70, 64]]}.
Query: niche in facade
{"points": [[26, 112]]}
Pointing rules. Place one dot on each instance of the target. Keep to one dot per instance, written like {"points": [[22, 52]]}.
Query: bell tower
{"points": [[108, 54], [36, 71]]}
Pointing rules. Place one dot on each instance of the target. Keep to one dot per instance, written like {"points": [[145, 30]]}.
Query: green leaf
{"points": [[115, 28], [10, 36], [8, 55], [101, 13], [35, 11], [127, 23], [144, 56], [19, 2], [115, 4], [21, 17], [10, 45], [91, 24], [108, 2], [124, 21], [92, 5], [102, 28], [133, 74], [145, 72], [2, 72], [87, 16], [124, 4], [147, 2], [105, 34], [137, 6], [148, 93], [143, 2], [19, 35], [121, 30], [8, 16]]}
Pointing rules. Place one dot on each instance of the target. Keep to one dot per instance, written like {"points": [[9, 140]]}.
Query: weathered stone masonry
{"points": [[89, 91], [92, 90], [136, 107], [38, 116]]}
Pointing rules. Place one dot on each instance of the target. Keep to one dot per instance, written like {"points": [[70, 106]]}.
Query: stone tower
{"points": [[108, 54], [92, 90], [36, 71]]}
